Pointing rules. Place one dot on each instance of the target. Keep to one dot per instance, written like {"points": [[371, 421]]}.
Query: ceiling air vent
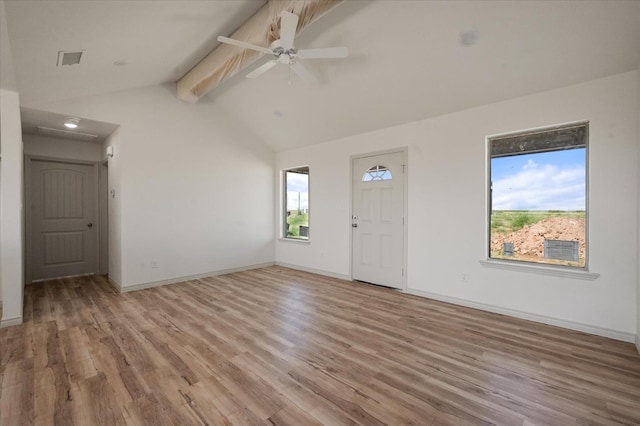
{"points": [[69, 58], [86, 137]]}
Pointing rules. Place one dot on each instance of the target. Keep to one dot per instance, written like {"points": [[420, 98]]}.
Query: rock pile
{"points": [[529, 241]]}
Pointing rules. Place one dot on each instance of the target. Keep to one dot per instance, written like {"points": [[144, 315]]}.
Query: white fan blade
{"points": [[327, 52], [288, 26], [262, 69], [302, 72], [244, 44]]}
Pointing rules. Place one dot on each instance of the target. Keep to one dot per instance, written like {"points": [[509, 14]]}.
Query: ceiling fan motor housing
{"points": [[283, 56]]}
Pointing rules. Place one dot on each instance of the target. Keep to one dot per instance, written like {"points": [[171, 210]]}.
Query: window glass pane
{"points": [[538, 199], [296, 221], [377, 172]]}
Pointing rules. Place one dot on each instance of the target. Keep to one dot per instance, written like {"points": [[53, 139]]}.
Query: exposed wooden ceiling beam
{"points": [[261, 29]]}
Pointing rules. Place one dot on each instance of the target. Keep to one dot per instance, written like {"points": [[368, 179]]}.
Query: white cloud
{"points": [[541, 187], [297, 190]]}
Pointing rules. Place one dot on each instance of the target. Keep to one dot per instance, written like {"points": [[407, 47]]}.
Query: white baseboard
{"points": [[599, 331], [10, 321], [143, 286], [115, 284], [314, 271]]}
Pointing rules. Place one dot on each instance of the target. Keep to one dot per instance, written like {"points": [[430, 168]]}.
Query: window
{"points": [[537, 196], [378, 172], [296, 203]]}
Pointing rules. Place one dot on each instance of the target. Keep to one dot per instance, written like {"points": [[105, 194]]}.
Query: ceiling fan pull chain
{"points": [[289, 74]]}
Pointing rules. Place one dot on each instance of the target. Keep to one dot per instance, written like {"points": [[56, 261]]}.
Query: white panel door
{"points": [[378, 219], [63, 228]]}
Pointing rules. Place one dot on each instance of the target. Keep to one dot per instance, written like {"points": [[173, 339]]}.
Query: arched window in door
{"points": [[377, 172]]}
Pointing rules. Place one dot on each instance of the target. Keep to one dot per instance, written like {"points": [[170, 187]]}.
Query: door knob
{"points": [[89, 225], [354, 225]]}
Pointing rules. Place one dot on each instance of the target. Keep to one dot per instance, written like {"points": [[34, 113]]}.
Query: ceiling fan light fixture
{"points": [[72, 123]]}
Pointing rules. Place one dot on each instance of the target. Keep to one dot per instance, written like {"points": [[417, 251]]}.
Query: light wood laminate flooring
{"points": [[278, 346]]}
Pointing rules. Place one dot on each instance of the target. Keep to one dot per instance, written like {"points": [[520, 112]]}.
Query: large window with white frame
{"points": [[296, 203], [538, 196]]}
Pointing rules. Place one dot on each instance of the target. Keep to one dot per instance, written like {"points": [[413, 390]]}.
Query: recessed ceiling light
{"points": [[72, 123], [468, 38], [48, 131]]}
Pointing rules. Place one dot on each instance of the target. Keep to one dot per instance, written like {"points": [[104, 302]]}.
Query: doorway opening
{"points": [[66, 195]]}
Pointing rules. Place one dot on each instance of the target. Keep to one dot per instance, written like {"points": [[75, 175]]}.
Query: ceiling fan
{"points": [[284, 51]]}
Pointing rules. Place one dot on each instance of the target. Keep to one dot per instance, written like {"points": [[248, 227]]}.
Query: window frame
{"points": [[525, 265], [283, 232]]}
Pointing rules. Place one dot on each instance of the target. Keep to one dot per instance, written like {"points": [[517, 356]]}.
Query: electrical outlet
{"points": [[153, 264]]}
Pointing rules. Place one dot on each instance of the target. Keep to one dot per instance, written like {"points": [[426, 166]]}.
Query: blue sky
{"points": [[297, 182], [545, 181]]}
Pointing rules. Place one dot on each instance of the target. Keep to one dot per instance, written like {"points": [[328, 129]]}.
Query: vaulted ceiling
{"points": [[408, 60]]}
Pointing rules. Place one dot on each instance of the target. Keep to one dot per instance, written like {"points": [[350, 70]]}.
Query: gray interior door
{"points": [[62, 220]]}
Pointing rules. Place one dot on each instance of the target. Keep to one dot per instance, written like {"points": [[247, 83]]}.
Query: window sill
{"points": [[580, 274], [295, 240]]}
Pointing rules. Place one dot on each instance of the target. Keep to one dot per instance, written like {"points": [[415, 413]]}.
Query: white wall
{"points": [[115, 207], [195, 190], [44, 146], [11, 228], [0, 227], [7, 73], [447, 207], [10, 184], [638, 260]]}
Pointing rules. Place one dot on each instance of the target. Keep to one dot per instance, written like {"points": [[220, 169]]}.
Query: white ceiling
{"points": [[159, 41], [31, 119], [406, 62]]}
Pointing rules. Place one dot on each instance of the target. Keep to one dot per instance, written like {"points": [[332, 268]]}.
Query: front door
{"points": [[378, 219], [62, 220]]}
